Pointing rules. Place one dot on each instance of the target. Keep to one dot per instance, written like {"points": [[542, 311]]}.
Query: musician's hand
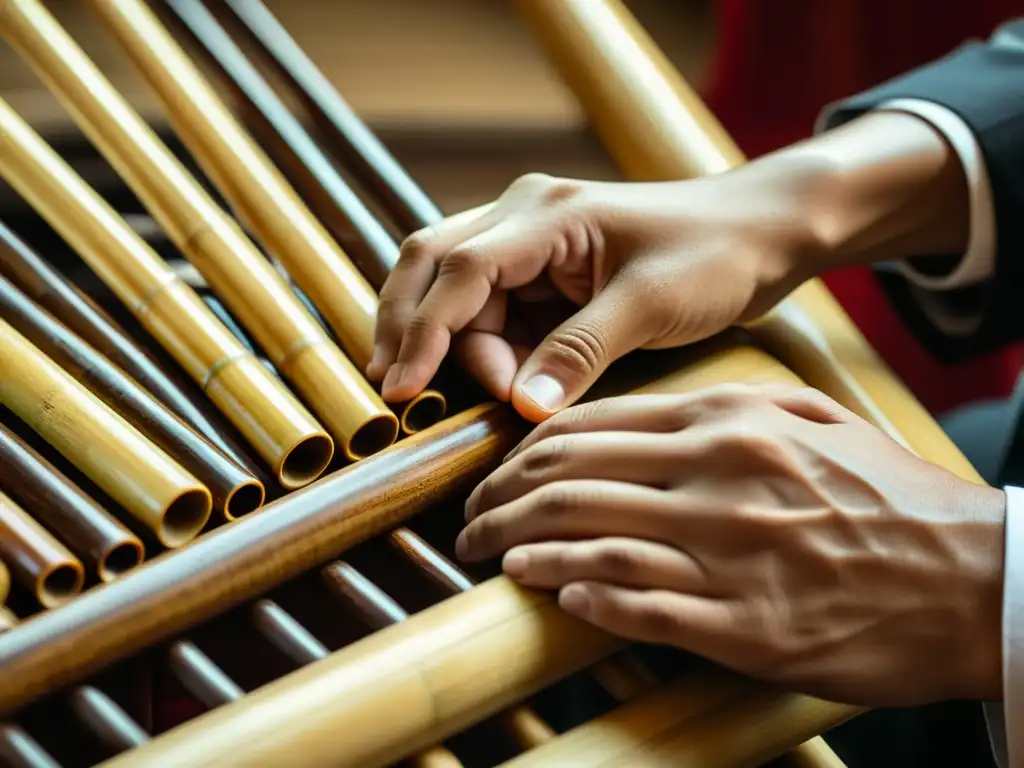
{"points": [[559, 278], [765, 528]]}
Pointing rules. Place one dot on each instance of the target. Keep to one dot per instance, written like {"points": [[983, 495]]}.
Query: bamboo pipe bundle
{"points": [[209, 239], [245, 176], [5, 583], [51, 290], [264, 411], [87, 529], [235, 492], [362, 151], [140, 477], [657, 128], [255, 188], [39, 562]]}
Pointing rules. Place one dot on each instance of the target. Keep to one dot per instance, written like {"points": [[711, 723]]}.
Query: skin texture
{"points": [[763, 527]]}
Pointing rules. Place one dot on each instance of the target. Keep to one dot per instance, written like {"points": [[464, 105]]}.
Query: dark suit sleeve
{"points": [[983, 83]]}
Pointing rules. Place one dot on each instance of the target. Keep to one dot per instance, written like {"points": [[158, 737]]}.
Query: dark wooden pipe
{"points": [[361, 151], [46, 286], [79, 522], [235, 491], [237, 563]]}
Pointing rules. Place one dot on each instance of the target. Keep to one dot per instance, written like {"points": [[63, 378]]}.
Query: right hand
{"points": [[540, 293]]}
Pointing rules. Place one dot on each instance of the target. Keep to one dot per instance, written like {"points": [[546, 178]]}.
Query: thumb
{"points": [[572, 357]]}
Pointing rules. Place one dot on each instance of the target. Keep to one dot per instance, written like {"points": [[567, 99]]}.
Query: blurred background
{"points": [[463, 96]]}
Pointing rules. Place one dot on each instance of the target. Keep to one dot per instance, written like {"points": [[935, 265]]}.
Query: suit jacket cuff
{"points": [[1012, 730]]}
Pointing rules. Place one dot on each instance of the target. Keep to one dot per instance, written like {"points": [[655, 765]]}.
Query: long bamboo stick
{"points": [[87, 529], [40, 563], [276, 424], [5, 582], [205, 234], [255, 189], [327, 194], [51, 290], [143, 479], [235, 492]]}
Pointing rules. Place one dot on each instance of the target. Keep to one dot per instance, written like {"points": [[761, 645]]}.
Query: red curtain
{"points": [[778, 62]]}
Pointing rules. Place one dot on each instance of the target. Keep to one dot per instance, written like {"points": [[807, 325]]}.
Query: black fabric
{"points": [[983, 83]]}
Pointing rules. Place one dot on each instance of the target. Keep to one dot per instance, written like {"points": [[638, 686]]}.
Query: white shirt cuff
{"points": [[1007, 740], [978, 263]]}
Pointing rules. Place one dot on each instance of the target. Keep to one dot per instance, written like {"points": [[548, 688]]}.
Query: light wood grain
{"points": [[246, 281], [273, 421]]}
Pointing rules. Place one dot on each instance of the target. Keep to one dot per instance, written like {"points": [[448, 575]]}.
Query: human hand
{"points": [[765, 528], [539, 294]]}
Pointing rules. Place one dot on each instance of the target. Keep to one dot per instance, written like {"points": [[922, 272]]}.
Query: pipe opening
{"points": [[120, 559], [185, 517], [373, 436], [244, 499], [424, 411], [63, 582], [306, 461]]}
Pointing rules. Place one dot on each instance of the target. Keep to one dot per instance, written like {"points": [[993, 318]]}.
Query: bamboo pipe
{"points": [[451, 665], [87, 529], [363, 152], [815, 753], [5, 583], [52, 291], [272, 420], [140, 477], [296, 642], [708, 720], [245, 176], [201, 676], [19, 750], [657, 128], [235, 492], [255, 188], [209, 239], [40, 563]]}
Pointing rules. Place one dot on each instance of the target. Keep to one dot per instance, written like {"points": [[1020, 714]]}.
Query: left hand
{"points": [[765, 528]]}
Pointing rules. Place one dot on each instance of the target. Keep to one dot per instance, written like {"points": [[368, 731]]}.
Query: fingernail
{"points": [[545, 391], [575, 599], [515, 563], [377, 359], [462, 546]]}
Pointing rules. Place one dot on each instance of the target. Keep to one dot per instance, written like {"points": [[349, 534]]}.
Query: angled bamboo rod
{"points": [[239, 274], [245, 176], [102, 542], [274, 422], [39, 562], [139, 476], [235, 492], [5, 582]]}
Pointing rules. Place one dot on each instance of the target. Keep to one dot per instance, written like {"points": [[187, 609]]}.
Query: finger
{"points": [[410, 280], [506, 256], [575, 509], [696, 624], [629, 457], [621, 561], [489, 359], [808, 403], [567, 363]]}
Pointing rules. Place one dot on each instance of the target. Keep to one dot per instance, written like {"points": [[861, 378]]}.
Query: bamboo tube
{"points": [[77, 520], [209, 239], [235, 492], [361, 150], [48, 288], [815, 753], [657, 128], [272, 420], [19, 750], [5, 583], [201, 676], [250, 182], [40, 563], [140, 477]]}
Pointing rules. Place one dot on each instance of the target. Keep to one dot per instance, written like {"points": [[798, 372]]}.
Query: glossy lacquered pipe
{"points": [[277, 425], [139, 476], [253, 186], [5, 582], [327, 193], [38, 561], [88, 530], [255, 293], [362, 151], [235, 492], [51, 290]]}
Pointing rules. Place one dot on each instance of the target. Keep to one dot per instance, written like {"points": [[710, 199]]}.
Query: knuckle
{"points": [[618, 561], [750, 443], [580, 347], [545, 189], [554, 501], [544, 456], [417, 246], [660, 620], [422, 326], [463, 260]]}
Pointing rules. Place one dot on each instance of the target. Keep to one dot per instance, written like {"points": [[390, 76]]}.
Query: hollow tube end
{"points": [[119, 559], [244, 498], [305, 461], [425, 410], [373, 436], [185, 517], [60, 583]]}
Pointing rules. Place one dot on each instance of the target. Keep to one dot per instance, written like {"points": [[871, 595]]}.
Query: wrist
{"points": [[883, 187]]}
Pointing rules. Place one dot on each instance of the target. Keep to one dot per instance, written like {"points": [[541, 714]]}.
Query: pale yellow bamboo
{"points": [[39, 561], [246, 281], [138, 475], [5, 582], [255, 188], [274, 422], [416, 683]]}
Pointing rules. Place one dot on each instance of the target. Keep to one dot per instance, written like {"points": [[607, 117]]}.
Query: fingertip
{"points": [[576, 599], [516, 562]]}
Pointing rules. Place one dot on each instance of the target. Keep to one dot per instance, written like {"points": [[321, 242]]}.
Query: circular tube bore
{"points": [[423, 411], [185, 517], [59, 584], [120, 559], [245, 498], [306, 461], [373, 436]]}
